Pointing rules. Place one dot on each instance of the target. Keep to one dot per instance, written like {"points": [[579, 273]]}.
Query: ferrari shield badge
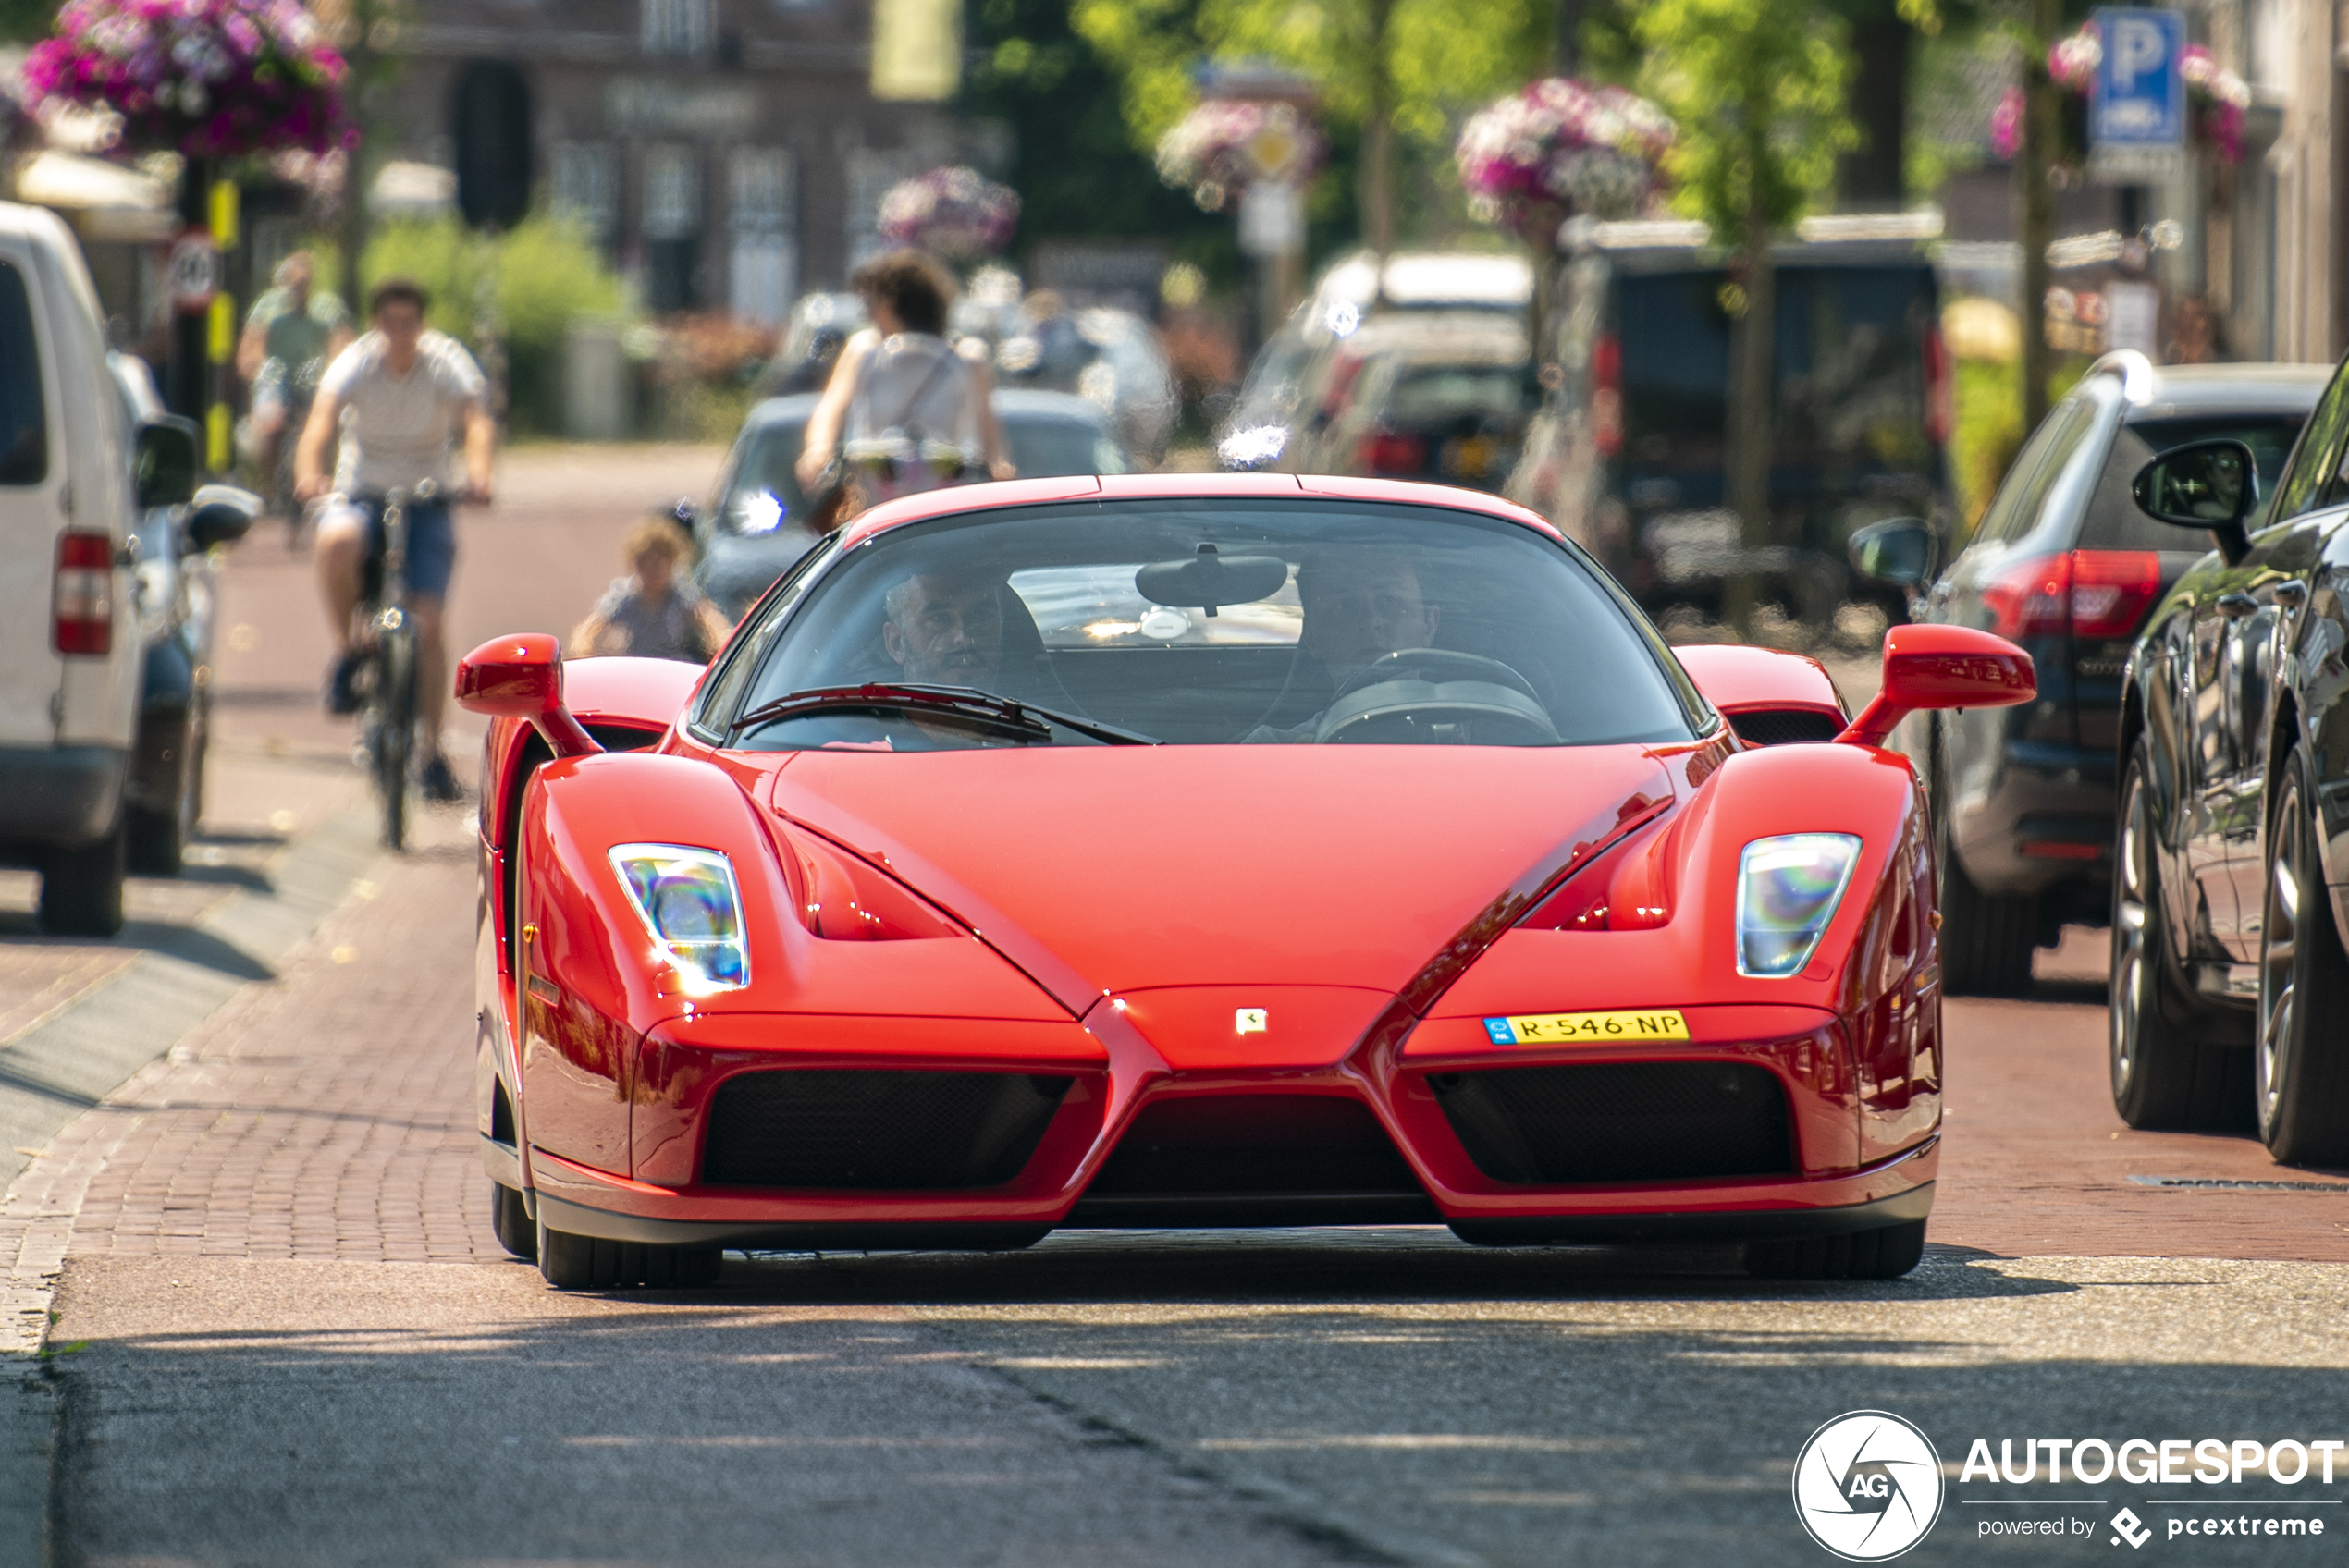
{"points": [[1251, 1020]]}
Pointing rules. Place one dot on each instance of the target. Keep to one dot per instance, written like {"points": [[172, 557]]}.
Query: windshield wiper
{"points": [[966, 702]]}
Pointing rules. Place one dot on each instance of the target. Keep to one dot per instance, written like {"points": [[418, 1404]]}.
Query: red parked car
{"points": [[1206, 850]]}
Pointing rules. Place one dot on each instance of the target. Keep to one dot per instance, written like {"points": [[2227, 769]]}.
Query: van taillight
{"points": [[84, 595], [2087, 593], [1940, 405], [1606, 396]]}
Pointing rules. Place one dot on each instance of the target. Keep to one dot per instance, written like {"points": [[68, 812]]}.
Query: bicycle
{"points": [[387, 678]]}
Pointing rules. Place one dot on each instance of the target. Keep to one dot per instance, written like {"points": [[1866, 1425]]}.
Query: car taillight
{"points": [[1606, 396], [84, 594], [1939, 404], [1394, 454], [2087, 593]]}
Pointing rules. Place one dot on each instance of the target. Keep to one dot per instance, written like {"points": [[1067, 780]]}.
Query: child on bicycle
{"points": [[655, 612]]}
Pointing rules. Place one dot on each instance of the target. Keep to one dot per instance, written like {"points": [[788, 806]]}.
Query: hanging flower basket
{"points": [[207, 78], [2216, 99], [1561, 149], [955, 213], [1224, 145]]}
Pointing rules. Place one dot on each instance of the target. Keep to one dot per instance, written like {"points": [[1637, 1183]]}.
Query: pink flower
{"points": [[2005, 125]]}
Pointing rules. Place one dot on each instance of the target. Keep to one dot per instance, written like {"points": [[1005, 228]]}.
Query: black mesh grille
{"points": [[1777, 727], [1619, 1121], [875, 1130], [1255, 1144]]}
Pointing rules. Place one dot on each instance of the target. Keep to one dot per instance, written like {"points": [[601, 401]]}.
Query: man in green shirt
{"points": [[290, 338]]}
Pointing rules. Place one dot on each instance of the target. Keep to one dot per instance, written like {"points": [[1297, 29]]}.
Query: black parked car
{"points": [[754, 533], [2065, 564], [2232, 893]]}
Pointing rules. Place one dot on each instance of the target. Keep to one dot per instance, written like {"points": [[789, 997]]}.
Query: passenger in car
{"points": [[945, 629]]}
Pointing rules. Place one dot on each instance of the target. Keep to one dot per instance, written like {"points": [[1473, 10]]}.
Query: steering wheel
{"points": [[1434, 696]]}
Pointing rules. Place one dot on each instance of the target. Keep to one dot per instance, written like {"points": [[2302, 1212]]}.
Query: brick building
{"points": [[728, 154]]}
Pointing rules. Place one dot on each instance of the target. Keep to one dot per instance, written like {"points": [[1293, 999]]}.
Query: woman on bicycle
{"points": [[905, 410]]}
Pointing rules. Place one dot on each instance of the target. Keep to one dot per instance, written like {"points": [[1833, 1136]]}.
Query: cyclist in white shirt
{"points": [[402, 397]]}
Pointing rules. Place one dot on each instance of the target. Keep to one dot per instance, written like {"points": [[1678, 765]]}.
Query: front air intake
{"points": [[1255, 1159], [1619, 1121], [875, 1130]]}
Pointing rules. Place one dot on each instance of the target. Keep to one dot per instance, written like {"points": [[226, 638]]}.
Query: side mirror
{"points": [[522, 677], [165, 461], [2210, 484], [219, 514], [1899, 550], [1942, 667]]}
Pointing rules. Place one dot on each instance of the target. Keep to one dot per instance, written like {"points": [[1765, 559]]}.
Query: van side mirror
{"points": [[522, 677], [165, 461], [1899, 550], [1942, 667], [219, 514], [2212, 484]]}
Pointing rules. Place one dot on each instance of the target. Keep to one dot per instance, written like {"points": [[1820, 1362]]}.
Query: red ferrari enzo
{"points": [[1206, 850]]}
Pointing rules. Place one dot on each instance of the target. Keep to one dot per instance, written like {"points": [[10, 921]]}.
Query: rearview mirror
{"points": [[1942, 667], [522, 677], [219, 514], [1899, 550], [164, 461], [1209, 579], [2212, 484]]}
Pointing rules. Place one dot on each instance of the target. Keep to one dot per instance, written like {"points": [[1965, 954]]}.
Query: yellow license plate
{"points": [[1558, 1028]]}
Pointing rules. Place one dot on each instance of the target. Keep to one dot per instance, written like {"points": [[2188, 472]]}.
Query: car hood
{"points": [[1103, 871]]}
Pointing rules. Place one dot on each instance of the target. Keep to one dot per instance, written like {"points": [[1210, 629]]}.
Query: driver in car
{"points": [[1359, 606], [945, 628]]}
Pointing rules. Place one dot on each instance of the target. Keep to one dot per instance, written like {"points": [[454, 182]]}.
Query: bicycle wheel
{"points": [[396, 731]]}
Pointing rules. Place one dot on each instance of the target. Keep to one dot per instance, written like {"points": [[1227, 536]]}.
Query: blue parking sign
{"points": [[2140, 98]]}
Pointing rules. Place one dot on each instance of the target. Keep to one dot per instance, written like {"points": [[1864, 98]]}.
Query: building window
{"points": [[761, 212], [680, 27], [672, 226], [587, 188]]}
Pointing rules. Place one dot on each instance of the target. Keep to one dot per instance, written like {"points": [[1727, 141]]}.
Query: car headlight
{"points": [[1788, 891], [687, 899]]}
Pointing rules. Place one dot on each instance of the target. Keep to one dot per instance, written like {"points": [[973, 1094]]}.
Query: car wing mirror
{"points": [[2208, 484], [219, 514], [165, 461], [522, 677], [1897, 550], [1942, 667]]}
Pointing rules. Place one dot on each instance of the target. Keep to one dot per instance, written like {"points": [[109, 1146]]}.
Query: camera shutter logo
{"points": [[1867, 1485]]}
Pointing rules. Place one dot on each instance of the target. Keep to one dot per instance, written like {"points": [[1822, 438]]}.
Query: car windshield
{"points": [[1209, 621], [765, 493]]}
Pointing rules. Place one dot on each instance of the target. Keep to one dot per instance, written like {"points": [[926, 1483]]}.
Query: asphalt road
{"points": [[284, 1335]]}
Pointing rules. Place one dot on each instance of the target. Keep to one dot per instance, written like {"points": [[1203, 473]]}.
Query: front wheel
{"points": [[1885, 1252], [510, 1217], [395, 732], [2163, 1076], [2300, 1075], [590, 1263]]}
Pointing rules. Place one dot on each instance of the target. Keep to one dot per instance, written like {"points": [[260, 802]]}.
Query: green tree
{"points": [[27, 21], [1757, 88], [1384, 69]]}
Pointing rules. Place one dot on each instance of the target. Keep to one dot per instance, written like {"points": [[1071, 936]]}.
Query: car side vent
{"points": [[1619, 1121], [1779, 727], [875, 1130]]}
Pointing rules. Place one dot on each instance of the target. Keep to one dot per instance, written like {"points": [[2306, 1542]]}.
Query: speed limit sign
{"points": [[194, 272]]}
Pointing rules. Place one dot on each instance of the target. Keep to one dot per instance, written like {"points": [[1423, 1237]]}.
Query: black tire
{"points": [[510, 1217], [396, 734], [1885, 1252], [2164, 1076], [81, 889], [1987, 938], [588, 1263], [2300, 1055], [159, 838]]}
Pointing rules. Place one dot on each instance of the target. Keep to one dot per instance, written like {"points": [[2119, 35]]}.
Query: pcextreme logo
{"points": [[1867, 1485]]}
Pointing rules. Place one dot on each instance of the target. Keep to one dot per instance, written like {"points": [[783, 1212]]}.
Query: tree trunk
{"points": [[1875, 178], [2035, 205], [1378, 140], [1565, 36], [1749, 426], [352, 231]]}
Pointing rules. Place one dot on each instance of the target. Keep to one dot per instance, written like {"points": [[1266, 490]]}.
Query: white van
{"points": [[71, 649]]}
